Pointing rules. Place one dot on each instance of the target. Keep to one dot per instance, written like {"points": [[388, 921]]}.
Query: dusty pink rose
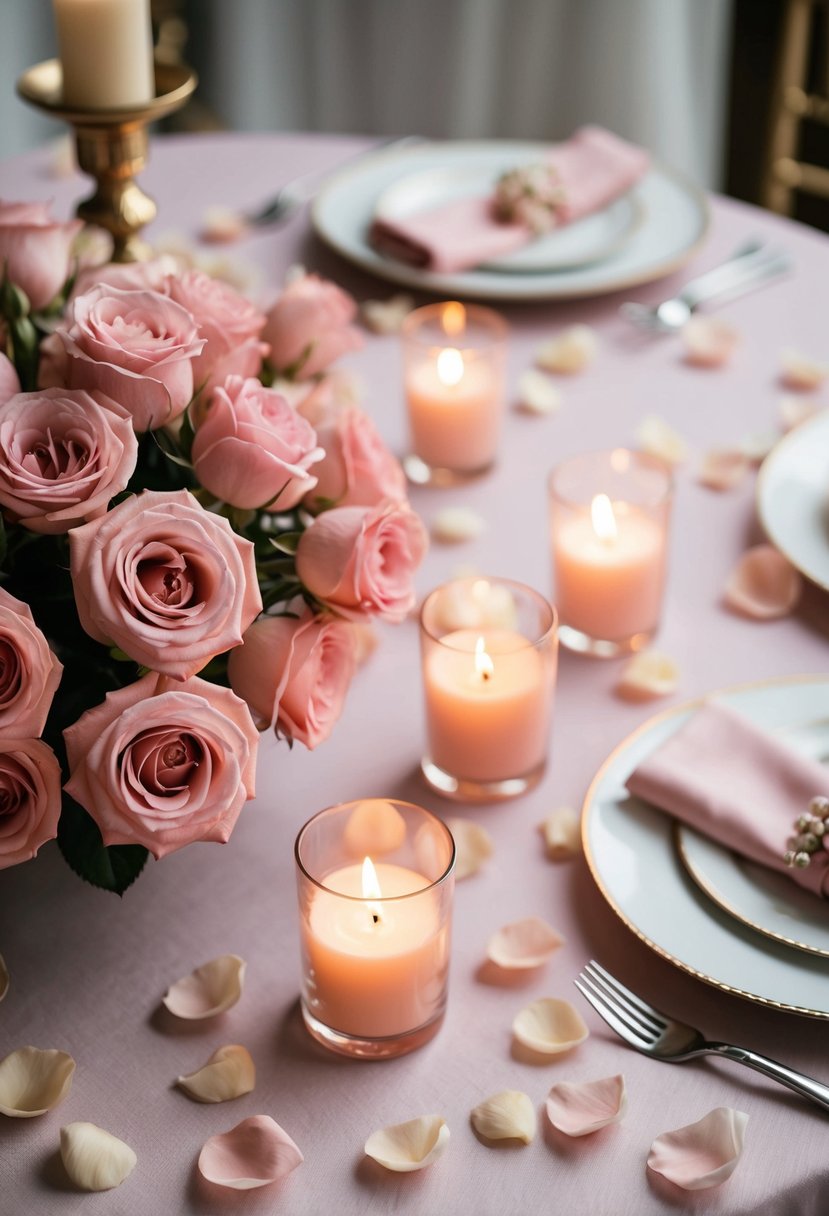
{"points": [[169, 583], [229, 323], [360, 560], [29, 798], [9, 380], [309, 327], [163, 770], [294, 673], [35, 250], [29, 671], [137, 347], [252, 448], [64, 454], [358, 470], [152, 275]]}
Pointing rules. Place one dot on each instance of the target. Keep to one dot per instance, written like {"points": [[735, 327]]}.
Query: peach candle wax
{"points": [[106, 53]]}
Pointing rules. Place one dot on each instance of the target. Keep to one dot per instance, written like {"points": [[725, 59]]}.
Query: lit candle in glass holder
{"points": [[609, 519], [454, 358]]}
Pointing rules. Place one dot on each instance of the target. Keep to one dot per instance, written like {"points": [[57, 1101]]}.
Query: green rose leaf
{"points": [[112, 868]]}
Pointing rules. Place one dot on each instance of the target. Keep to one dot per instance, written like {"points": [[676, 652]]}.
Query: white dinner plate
{"points": [[675, 220], [630, 849], [793, 497], [587, 240]]}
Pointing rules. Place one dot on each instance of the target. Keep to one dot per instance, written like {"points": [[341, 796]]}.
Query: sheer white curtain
{"points": [[654, 71]]}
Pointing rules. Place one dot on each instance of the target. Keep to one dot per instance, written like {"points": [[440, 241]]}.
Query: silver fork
{"points": [[664, 1038], [751, 265]]}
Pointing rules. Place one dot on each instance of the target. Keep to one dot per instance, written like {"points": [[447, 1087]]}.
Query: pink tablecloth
{"points": [[88, 970]]}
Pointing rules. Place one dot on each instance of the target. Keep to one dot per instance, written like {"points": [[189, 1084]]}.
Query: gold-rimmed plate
{"points": [[631, 852], [793, 497]]}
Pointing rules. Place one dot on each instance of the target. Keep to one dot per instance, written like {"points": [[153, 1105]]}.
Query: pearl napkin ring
{"points": [[812, 833]]}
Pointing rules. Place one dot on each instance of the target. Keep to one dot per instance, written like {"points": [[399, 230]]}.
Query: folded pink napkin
{"points": [[743, 787], [593, 168]]}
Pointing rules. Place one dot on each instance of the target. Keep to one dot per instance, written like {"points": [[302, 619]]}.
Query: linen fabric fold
{"points": [[738, 784], [594, 167]]}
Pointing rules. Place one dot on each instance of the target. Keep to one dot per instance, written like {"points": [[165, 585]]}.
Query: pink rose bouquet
{"points": [[193, 513]]}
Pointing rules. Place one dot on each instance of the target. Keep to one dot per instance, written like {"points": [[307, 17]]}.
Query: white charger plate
{"points": [[631, 853], [675, 220], [793, 497]]}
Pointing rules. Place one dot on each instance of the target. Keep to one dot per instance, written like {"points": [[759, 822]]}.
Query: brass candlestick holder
{"points": [[112, 147]]}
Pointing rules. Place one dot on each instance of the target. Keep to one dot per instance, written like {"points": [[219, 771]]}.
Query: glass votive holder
{"points": [[609, 524], [488, 650], [454, 358], [375, 882]]}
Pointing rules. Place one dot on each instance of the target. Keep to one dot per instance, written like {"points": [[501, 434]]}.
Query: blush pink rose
{"points": [[294, 673], [229, 323], [360, 561], [152, 275], [64, 454], [169, 583], [29, 671], [35, 250], [29, 798], [358, 470], [252, 448], [137, 347], [9, 380], [163, 770], [309, 327]]}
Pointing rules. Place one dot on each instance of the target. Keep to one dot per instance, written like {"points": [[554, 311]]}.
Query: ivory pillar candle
{"points": [[106, 53]]}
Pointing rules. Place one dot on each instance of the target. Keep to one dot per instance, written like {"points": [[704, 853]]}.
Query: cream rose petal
{"points": [[455, 524], [523, 944], [375, 826], [569, 352], [651, 673], [94, 1159], [473, 846], [578, 1109], [209, 990], [254, 1153], [33, 1081], [656, 437], [800, 372], [404, 1147], [756, 446], [709, 342], [702, 1154], [509, 1115], [386, 316], [537, 394], [723, 469], [473, 602], [229, 1073], [4, 977], [562, 833], [763, 584], [794, 410], [549, 1026], [222, 224]]}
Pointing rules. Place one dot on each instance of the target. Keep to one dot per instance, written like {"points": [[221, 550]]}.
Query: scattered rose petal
{"points": [[386, 316], [562, 833], [4, 977], [374, 826], [723, 469], [757, 446], [580, 1109], [365, 640], [523, 944], [476, 603], [209, 990], [703, 1154], [95, 1160], [648, 674], [294, 273], [229, 1073], [537, 394], [221, 225], [800, 372], [709, 342], [763, 584], [794, 410], [32, 1081], [404, 1147], [473, 846], [657, 438], [254, 1153], [549, 1026], [454, 524], [509, 1115], [571, 351]]}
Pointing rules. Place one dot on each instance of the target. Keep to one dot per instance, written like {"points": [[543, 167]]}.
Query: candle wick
{"points": [[375, 918]]}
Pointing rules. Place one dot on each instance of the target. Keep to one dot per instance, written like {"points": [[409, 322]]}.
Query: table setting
{"points": [[414, 709]]}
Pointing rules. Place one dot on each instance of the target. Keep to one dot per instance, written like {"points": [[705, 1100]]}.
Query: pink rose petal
{"points": [[254, 1153], [708, 341], [723, 469], [703, 1154], [579, 1109], [763, 585]]}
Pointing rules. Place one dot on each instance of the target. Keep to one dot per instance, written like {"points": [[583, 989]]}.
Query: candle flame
{"points": [[450, 366], [371, 889], [484, 666], [604, 521], [453, 318]]}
